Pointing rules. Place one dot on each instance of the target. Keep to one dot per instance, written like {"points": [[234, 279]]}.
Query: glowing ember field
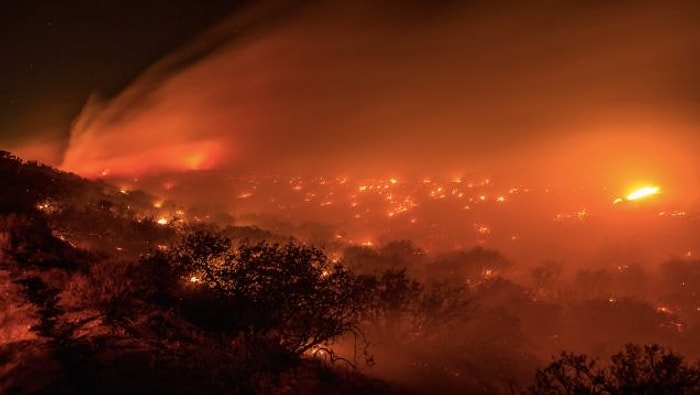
{"points": [[529, 224]]}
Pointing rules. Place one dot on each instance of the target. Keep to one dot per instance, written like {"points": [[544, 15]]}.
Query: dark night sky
{"points": [[56, 53], [589, 88]]}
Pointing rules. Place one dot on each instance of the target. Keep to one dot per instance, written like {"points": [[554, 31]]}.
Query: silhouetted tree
{"points": [[392, 296], [468, 265], [632, 280], [442, 304], [572, 374], [287, 292], [404, 312], [546, 277], [363, 260], [649, 369], [400, 254], [395, 255]]}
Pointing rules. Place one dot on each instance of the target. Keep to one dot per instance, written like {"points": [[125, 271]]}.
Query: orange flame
{"points": [[643, 192]]}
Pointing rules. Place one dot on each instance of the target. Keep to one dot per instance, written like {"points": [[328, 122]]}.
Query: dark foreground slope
{"points": [[101, 294], [81, 313]]}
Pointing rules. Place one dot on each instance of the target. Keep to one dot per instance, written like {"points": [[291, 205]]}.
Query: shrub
{"points": [[286, 291], [649, 369], [110, 286]]}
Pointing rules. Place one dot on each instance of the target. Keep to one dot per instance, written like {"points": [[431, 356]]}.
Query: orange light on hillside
{"points": [[642, 193]]}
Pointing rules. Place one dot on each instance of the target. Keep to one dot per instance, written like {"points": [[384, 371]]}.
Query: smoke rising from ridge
{"points": [[409, 87]]}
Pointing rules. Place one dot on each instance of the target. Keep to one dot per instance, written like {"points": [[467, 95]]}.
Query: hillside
{"points": [[109, 291], [80, 314]]}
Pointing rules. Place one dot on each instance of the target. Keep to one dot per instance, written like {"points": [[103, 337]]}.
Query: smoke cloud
{"points": [[560, 91]]}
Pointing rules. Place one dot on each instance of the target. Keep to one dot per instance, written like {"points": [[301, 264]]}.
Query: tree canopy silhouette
{"points": [[648, 369], [288, 292]]}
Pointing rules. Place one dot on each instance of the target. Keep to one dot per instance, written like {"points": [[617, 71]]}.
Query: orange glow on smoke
{"points": [[140, 160], [195, 161]]}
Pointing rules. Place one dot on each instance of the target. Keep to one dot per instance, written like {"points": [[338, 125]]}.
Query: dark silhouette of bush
{"points": [[648, 369], [395, 255], [113, 287], [289, 292], [27, 183], [472, 265], [29, 242]]}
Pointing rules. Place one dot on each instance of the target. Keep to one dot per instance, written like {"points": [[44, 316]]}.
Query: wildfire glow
{"points": [[643, 192], [195, 161]]}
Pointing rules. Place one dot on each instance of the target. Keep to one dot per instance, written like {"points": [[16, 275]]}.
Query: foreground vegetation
{"points": [[100, 298]]}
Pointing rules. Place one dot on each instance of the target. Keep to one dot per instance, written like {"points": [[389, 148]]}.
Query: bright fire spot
{"points": [[194, 279], [158, 204], [482, 229], [162, 221], [46, 207], [617, 201], [582, 214], [663, 309], [643, 192]]}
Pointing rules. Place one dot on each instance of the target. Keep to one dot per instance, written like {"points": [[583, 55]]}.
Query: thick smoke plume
{"points": [[557, 91]]}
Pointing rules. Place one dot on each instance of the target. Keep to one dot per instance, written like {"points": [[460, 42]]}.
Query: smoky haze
{"points": [[550, 92], [490, 147]]}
